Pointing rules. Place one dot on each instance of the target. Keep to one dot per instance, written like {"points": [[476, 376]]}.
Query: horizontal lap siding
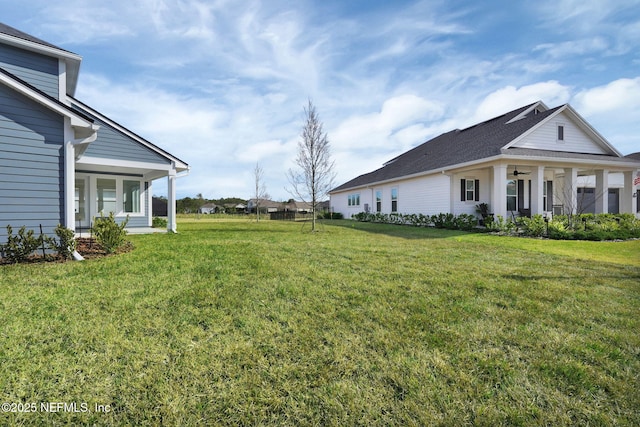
{"points": [[546, 138], [112, 144], [428, 195], [31, 164], [37, 70]]}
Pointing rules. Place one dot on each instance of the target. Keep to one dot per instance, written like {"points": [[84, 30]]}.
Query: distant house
{"points": [[266, 205], [208, 208], [532, 160], [61, 161]]}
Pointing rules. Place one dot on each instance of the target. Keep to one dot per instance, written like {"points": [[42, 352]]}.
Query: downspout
{"points": [[73, 150]]}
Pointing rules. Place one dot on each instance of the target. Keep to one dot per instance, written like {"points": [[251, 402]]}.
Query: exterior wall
{"points": [[112, 144], [426, 195], [484, 195], [546, 138], [38, 70], [31, 164]]}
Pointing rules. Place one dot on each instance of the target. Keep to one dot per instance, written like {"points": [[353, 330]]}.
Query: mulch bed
{"points": [[87, 247]]}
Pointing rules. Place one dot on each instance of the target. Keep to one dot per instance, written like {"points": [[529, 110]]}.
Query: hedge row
{"points": [[561, 227]]}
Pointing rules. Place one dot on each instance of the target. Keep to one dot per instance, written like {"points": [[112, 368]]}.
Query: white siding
{"points": [[469, 207], [426, 195], [575, 139]]}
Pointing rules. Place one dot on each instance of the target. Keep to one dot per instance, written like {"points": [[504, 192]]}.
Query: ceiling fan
{"points": [[516, 172]]}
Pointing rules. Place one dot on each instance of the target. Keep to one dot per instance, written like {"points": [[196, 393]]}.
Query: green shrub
{"points": [[109, 234], [159, 222], [65, 245], [534, 226], [465, 222], [19, 247]]}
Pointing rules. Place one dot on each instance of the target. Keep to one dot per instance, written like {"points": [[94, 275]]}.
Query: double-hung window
{"points": [[469, 190], [394, 199], [378, 201], [353, 199]]}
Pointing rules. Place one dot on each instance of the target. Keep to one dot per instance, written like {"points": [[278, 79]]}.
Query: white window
{"points": [[378, 201], [131, 196], [394, 199], [512, 195], [353, 199], [106, 195], [560, 132]]}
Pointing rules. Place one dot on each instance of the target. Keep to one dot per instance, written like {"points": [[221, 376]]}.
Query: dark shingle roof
{"points": [[634, 156], [477, 142], [6, 29]]}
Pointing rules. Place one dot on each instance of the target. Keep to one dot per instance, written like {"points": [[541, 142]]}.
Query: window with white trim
{"points": [[560, 132], [512, 195], [131, 196], [378, 201], [353, 199], [394, 199], [469, 190]]}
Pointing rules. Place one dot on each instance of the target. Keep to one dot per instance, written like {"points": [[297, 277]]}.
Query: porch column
{"points": [[499, 191], [602, 191], [171, 201], [69, 185], [537, 191], [570, 191], [627, 202]]}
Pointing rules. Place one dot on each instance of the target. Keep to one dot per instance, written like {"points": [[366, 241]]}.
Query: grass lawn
{"points": [[233, 322]]}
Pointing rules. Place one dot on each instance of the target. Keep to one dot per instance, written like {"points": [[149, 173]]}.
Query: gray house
{"points": [[61, 161]]}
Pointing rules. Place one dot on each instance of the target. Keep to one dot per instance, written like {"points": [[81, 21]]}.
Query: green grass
{"points": [[233, 322]]}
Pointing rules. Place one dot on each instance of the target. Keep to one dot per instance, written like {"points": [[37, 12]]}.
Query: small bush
{"points": [[534, 226], [65, 245], [159, 222], [19, 247], [109, 234]]}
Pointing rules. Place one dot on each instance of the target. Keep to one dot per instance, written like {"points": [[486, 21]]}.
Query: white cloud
{"points": [[508, 98], [618, 97], [613, 109], [375, 130]]}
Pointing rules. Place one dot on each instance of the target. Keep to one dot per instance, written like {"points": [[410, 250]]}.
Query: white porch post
{"points": [[627, 200], [499, 191], [537, 191], [602, 191], [171, 201], [69, 185], [570, 191]]}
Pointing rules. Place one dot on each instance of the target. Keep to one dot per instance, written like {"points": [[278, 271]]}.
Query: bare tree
{"points": [[313, 179], [260, 188]]}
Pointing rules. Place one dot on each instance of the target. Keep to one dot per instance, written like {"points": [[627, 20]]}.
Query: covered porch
{"points": [[522, 187]]}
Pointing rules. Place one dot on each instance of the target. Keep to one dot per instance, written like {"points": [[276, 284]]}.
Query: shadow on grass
{"points": [[402, 231], [536, 277]]}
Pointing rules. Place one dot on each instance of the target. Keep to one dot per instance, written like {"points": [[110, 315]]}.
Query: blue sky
{"points": [[222, 84]]}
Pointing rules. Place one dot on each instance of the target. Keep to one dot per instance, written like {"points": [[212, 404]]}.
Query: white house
{"points": [[533, 160]]}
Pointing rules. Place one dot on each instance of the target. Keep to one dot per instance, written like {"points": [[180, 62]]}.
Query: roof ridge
{"points": [[14, 32]]}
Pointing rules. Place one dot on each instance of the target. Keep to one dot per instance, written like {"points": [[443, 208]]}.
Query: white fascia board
{"points": [[538, 104], [617, 164], [124, 164], [179, 164], [582, 123], [73, 60], [76, 120]]}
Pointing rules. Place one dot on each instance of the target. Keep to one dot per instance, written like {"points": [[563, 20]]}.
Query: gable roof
{"points": [[84, 108], [15, 37], [485, 140]]}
